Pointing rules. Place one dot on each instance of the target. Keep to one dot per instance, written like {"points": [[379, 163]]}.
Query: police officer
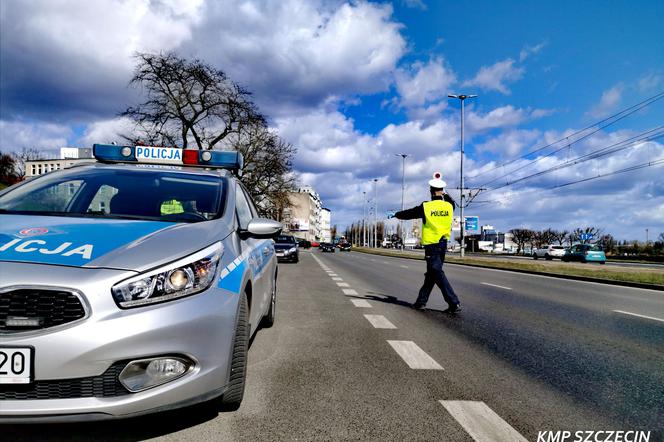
{"points": [[436, 218]]}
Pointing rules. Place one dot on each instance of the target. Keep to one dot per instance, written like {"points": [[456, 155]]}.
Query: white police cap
{"points": [[437, 181]]}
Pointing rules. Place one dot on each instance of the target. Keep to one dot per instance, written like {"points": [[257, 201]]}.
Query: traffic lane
{"points": [[587, 353], [473, 373], [323, 372]]}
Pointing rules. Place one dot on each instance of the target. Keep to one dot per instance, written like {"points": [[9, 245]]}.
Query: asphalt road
{"points": [[527, 354]]}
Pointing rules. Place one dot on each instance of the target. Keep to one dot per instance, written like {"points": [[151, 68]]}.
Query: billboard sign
{"points": [[472, 223], [298, 225]]}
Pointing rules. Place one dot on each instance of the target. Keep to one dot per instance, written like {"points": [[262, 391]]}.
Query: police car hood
{"points": [[93, 242]]}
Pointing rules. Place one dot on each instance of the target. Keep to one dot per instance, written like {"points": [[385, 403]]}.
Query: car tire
{"points": [[547, 257], [296, 260], [535, 256], [602, 262], [268, 319], [234, 393]]}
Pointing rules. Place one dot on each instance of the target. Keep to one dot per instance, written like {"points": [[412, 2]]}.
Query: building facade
{"points": [[68, 157], [325, 227], [302, 217]]}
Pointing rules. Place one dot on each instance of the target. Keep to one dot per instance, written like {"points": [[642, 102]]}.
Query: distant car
{"points": [[286, 248], [549, 252], [326, 247], [585, 253], [303, 243], [344, 247], [315, 244]]}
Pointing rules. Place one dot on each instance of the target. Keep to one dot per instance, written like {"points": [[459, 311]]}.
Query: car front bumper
{"points": [[199, 328]]}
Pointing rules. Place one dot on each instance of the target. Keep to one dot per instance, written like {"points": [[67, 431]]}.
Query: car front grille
{"points": [[34, 309], [104, 385]]}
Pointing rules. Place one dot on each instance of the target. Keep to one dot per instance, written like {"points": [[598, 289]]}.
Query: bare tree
{"points": [[190, 103], [559, 236], [521, 237], [21, 157], [7, 170]]}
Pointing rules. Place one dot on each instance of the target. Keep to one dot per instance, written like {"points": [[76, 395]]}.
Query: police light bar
{"points": [[110, 153]]}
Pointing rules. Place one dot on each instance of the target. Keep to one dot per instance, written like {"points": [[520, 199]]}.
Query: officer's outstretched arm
{"points": [[412, 213]]}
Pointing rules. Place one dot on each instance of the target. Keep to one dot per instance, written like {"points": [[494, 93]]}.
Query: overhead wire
{"points": [[597, 126]]}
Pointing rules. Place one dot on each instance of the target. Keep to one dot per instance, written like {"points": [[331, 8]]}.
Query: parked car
{"points": [[344, 246], [549, 252], [326, 247], [129, 289], [286, 248], [315, 244], [585, 253]]}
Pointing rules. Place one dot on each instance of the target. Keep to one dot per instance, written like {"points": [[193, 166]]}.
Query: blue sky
{"points": [[352, 83]]}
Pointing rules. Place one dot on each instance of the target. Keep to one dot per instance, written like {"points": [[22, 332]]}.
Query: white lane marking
{"points": [[343, 284], [349, 292], [414, 356], [360, 303], [385, 262], [481, 422], [640, 316], [332, 274], [371, 259], [337, 279], [379, 321], [496, 285], [403, 267]]}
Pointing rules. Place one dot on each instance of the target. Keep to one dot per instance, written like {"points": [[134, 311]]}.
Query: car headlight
{"points": [[184, 277], [292, 250]]}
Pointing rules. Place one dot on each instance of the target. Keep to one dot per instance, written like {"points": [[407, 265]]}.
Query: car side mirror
{"points": [[263, 228]]}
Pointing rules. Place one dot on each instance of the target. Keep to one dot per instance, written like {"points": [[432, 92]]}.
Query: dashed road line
{"points": [[360, 303], [343, 284], [414, 356], [337, 279], [639, 316], [380, 321], [481, 422], [496, 285], [349, 292], [403, 266]]}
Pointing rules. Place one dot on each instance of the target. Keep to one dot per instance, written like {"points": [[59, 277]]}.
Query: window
{"points": [[244, 214], [54, 198]]}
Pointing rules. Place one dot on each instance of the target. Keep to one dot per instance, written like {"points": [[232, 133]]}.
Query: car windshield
{"points": [[132, 193], [285, 239]]}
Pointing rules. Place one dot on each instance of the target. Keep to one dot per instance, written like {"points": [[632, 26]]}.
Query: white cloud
{"points": [[496, 76], [527, 51], [423, 83], [510, 143], [16, 135], [608, 102], [415, 4], [107, 131], [301, 53], [650, 82]]}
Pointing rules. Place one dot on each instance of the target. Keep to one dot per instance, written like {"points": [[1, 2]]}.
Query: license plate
{"points": [[16, 365], [280, 253]]}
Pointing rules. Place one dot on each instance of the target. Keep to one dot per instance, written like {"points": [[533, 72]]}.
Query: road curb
{"points": [[638, 285]]}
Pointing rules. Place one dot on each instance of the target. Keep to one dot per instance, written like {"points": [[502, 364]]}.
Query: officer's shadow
{"points": [[388, 299]]}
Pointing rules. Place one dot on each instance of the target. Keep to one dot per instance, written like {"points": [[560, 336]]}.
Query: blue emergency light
{"points": [[110, 153]]}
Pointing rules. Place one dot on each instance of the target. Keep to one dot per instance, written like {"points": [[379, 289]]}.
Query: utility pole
{"points": [[403, 187], [462, 98], [375, 212], [647, 238], [364, 220]]}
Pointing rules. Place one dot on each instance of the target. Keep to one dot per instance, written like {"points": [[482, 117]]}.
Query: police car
{"points": [[131, 285]]}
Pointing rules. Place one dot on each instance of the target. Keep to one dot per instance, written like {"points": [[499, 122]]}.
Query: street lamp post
{"points": [[364, 220], [375, 212], [462, 98], [403, 175]]}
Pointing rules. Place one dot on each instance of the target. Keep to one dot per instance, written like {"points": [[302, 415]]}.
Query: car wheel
{"points": [[232, 398], [296, 260], [584, 260], [547, 257], [535, 256], [602, 262], [268, 319]]}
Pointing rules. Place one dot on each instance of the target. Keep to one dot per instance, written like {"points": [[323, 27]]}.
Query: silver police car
{"points": [[131, 285]]}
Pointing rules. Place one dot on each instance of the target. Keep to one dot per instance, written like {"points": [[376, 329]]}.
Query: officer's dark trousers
{"points": [[435, 257]]}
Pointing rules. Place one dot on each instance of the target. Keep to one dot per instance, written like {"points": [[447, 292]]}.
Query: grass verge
{"points": [[636, 276]]}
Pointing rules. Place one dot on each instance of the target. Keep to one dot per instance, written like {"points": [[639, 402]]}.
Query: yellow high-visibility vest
{"points": [[438, 215], [171, 207]]}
